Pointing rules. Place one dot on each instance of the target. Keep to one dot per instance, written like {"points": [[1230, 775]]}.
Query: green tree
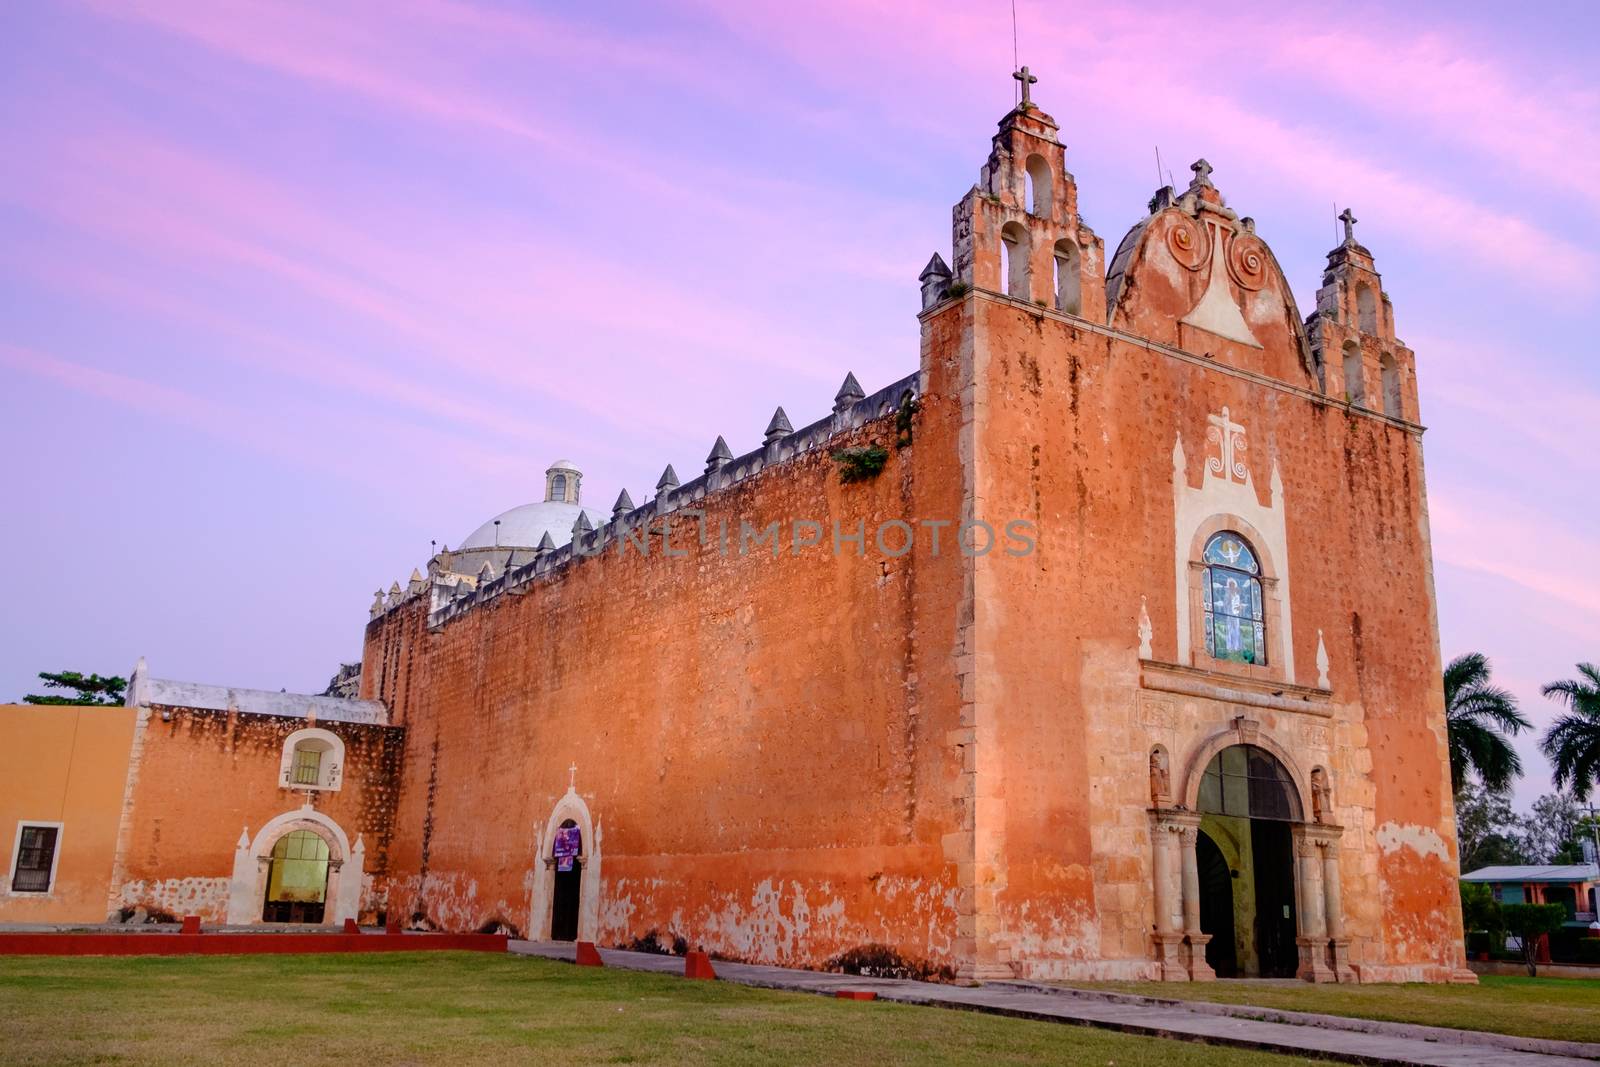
{"points": [[1489, 831], [85, 689], [1479, 715], [1529, 923], [1479, 909], [1551, 827], [1573, 742]]}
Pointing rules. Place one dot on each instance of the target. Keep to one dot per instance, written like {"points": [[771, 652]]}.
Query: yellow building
{"points": [[63, 773]]}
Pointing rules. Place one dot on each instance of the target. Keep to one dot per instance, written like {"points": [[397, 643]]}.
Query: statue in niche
{"points": [[1160, 777], [1321, 796]]}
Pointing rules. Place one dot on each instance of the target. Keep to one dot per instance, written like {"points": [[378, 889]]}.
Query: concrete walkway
{"points": [[1319, 1036]]}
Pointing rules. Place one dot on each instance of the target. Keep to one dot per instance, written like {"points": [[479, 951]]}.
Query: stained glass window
{"points": [[1230, 594], [1248, 782]]}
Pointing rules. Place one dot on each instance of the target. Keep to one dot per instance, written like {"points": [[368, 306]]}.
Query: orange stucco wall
{"points": [[202, 778], [758, 738], [782, 758], [63, 764]]}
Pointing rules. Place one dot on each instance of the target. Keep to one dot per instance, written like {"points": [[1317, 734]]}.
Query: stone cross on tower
{"points": [[1348, 217], [1202, 172], [1027, 79]]}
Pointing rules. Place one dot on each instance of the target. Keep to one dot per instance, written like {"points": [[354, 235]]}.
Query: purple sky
{"points": [[289, 289]]}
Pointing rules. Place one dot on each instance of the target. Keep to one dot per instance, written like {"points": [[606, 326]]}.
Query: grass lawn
{"points": [[1566, 1009], [438, 1007]]}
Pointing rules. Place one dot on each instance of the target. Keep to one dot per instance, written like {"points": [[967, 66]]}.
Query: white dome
{"points": [[525, 526]]}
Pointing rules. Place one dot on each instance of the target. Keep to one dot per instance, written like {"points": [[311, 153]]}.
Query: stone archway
{"points": [[252, 861], [570, 808], [1286, 917]]}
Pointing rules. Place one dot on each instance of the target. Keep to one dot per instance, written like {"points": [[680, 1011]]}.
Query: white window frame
{"points": [[331, 777], [16, 858]]}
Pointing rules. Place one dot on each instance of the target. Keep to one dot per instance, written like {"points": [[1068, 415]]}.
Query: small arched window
{"points": [[1014, 244], [1040, 198], [1391, 385], [1230, 593], [1366, 309], [1353, 391], [312, 759], [558, 487], [1068, 294]]}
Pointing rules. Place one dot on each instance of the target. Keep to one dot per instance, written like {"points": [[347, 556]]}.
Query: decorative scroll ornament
{"points": [[1217, 311], [1186, 243], [1247, 262], [1228, 436]]}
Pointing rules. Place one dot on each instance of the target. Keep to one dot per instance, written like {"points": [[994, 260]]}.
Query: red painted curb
{"points": [[232, 944], [588, 955], [698, 965], [855, 994]]}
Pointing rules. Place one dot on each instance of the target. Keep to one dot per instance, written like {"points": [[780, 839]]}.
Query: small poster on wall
{"points": [[569, 842]]}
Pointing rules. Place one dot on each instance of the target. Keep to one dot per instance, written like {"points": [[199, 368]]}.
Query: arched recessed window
{"points": [[1014, 244], [1366, 309], [1353, 391], [558, 487], [1391, 384], [1068, 294], [1230, 593], [1040, 198], [312, 759], [1248, 782]]}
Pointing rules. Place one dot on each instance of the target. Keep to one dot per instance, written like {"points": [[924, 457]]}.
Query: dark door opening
{"points": [[564, 912], [1216, 907], [1273, 848]]}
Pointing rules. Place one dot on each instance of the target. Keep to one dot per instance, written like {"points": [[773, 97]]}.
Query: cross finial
{"points": [[572, 776], [1348, 217], [1202, 172], [1027, 79]]}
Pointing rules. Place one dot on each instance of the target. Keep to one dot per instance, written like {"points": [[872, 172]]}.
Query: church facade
{"points": [[1101, 645]]}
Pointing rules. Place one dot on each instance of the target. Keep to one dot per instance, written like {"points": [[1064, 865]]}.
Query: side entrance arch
{"points": [[566, 874], [300, 867]]}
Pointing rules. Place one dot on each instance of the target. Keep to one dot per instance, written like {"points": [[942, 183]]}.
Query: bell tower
{"points": [[1358, 360], [1018, 232]]}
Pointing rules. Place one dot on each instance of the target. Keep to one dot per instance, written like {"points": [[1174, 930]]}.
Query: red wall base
{"points": [[232, 944]]}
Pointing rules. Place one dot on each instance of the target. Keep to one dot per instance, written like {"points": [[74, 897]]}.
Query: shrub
{"points": [[1589, 950], [1479, 943], [859, 464], [1530, 922]]}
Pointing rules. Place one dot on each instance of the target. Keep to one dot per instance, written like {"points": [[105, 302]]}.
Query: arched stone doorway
{"points": [[254, 860], [565, 902], [1233, 843], [1248, 805]]}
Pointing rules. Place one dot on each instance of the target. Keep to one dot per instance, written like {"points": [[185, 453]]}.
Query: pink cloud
{"points": [[1130, 72]]}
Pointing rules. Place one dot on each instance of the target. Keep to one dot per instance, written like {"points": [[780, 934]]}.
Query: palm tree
{"points": [[1479, 715], [1573, 742]]}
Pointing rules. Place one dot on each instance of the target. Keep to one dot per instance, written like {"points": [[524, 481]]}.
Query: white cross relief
{"points": [[1229, 438]]}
